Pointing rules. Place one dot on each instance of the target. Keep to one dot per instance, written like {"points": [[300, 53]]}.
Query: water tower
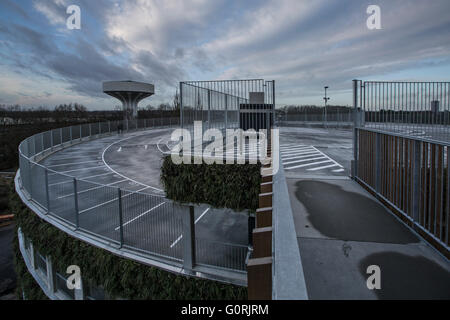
{"points": [[129, 93]]}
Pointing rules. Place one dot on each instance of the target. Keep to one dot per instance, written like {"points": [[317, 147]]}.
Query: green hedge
{"points": [[234, 186], [121, 278]]}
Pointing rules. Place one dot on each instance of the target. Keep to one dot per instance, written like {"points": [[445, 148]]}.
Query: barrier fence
{"points": [[402, 153], [317, 117], [219, 104], [145, 223]]}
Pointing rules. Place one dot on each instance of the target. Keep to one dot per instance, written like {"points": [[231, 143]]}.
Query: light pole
{"points": [[326, 100]]}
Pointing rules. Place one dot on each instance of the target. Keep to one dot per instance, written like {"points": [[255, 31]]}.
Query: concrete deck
{"points": [[341, 230]]}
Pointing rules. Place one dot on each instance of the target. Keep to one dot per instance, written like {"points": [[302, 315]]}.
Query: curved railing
{"points": [[117, 219]]}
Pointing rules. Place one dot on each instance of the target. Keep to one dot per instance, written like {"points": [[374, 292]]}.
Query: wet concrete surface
{"points": [[341, 230], [408, 277], [345, 215]]}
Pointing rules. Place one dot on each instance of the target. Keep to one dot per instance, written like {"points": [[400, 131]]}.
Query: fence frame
{"points": [[409, 174], [24, 187]]}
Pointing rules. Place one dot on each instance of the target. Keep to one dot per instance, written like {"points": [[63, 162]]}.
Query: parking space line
{"points": [[72, 163], [142, 214], [81, 178], [111, 169], [95, 188], [112, 200], [181, 236], [53, 173]]}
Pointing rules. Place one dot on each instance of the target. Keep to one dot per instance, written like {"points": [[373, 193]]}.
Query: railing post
{"points": [[378, 162], [355, 129], [181, 105], [71, 128], [50, 274], [119, 194], [90, 130], [75, 196], [109, 126], [81, 138], [188, 237], [47, 196], [61, 135], [51, 140], [416, 181]]}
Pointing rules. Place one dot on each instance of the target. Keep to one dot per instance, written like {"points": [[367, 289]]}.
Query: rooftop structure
{"points": [[129, 93]]}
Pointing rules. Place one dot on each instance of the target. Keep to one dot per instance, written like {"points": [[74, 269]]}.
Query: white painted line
{"points": [[181, 236], [201, 216], [111, 169], [293, 148], [286, 146], [81, 178], [305, 160], [142, 214], [308, 164], [78, 169], [303, 155], [97, 175], [338, 170], [323, 167], [112, 200], [95, 188], [296, 150], [72, 163]]}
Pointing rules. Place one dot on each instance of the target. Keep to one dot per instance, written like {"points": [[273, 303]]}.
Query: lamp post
{"points": [[326, 100]]}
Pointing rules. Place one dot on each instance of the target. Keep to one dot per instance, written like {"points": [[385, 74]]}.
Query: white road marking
{"points": [[307, 154], [81, 178], [111, 169], [95, 188], [305, 160], [303, 155], [142, 214], [181, 236], [112, 200], [72, 163], [77, 170], [308, 164], [323, 167], [297, 150]]}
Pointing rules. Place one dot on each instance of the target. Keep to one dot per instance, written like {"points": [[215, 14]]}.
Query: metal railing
{"points": [[402, 153], [414, 109], [218, 103], [144, 223], [312, 118]]}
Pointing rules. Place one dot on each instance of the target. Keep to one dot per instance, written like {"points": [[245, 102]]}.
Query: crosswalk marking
{"points": [[308, 164], [305, 160], [308, 157]]}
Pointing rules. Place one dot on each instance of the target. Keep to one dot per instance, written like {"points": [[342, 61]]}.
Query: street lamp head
{"points": [[326, 87]]}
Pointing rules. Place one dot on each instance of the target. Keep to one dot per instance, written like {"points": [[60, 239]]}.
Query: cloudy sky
{"points": [[302, 44]]}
